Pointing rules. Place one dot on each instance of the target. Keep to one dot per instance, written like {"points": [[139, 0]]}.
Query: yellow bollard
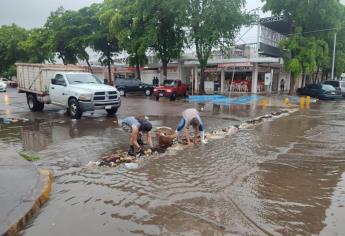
{"points": [[301, 102], [307, 102], [263, 103], [286, 100]]}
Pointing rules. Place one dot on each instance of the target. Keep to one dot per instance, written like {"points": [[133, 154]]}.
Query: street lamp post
{"points": [[334, 49]]}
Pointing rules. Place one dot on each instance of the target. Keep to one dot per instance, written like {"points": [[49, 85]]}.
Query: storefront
{"points": [[239, 77]]}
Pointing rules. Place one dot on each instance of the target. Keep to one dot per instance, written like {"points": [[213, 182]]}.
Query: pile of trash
{"points": [[168, 143], [8, 120], [117, 158], [273, 115]]}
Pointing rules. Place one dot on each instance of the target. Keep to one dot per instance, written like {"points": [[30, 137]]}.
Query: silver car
{"points": [[3, 86], [338, 85]]}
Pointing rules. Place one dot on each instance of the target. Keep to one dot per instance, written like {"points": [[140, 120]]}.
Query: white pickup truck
{"points": [[71, 87]]}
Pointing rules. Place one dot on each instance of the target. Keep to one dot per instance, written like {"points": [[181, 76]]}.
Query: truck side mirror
{"points": [[53, 81]]}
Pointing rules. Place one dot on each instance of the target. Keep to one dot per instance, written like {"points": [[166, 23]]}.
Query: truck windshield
{"points": [[83, 79], [169, 83]]}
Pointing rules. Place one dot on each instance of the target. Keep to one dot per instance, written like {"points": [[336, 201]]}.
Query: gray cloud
{"points": [[33, 13]]}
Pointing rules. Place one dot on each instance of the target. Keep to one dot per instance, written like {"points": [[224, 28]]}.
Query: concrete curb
{"points": [[42, 197]]}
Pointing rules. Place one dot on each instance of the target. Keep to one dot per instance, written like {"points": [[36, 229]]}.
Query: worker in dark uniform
{"points": [[137, 127]]}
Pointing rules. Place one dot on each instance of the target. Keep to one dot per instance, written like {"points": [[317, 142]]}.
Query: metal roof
{"points": [[278, 24]]}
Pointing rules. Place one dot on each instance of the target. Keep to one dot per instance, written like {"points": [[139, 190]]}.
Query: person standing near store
{"points": [[282, 85]]}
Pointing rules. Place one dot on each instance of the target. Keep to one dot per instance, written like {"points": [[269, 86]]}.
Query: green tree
{"points": [[102, 40], [165, 29], [312, 21], [305, 56], [36, 50], [128, 22], [11, 37], [212, 24], [59, 27]]}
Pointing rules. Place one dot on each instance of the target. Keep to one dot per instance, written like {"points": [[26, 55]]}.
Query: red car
{"points": [[171, 89]]}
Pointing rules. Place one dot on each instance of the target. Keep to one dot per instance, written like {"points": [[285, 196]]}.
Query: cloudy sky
{"points": [[33, 13]]}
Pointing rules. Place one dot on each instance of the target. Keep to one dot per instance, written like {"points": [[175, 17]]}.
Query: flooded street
{"points": [[283, 177]]}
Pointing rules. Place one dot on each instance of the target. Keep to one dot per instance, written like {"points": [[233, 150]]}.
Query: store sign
{"points": [[237, 64]]}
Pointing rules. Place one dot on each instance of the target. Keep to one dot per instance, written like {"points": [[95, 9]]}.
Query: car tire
{"points": [[33, 103], [111, 111], [173, 97], [148, 92], [122, 92], [74, 109], [157, 98]]}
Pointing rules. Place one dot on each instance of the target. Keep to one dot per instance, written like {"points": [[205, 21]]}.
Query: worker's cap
{"points": [[145, 126]]}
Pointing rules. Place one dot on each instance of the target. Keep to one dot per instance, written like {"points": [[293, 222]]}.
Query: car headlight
{"points": [[169, 91], [85, 97]]}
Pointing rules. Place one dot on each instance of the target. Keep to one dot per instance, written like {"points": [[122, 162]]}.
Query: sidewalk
{"points": [[23, 189]]}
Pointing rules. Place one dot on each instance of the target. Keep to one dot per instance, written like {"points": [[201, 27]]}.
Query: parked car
{"points": [[66, 86], [171, 89], [3, 86], [321, 91], [133, 85], [337, 84]]}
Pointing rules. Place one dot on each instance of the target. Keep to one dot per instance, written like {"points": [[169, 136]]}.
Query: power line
{"points": [[314, 31]]}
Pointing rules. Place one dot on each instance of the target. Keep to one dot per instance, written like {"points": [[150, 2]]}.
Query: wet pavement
{"points": [[284, 177]]}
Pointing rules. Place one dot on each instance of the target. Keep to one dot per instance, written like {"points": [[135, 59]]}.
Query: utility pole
{"points": [[334, 49]]}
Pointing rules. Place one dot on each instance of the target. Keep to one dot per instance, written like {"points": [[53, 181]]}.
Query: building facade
{"points": [[247, 68]]}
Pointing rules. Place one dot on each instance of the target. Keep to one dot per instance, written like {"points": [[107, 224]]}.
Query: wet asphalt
{"points": [[283, 177]]}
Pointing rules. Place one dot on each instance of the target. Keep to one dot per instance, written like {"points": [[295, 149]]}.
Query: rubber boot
{"points": [[131, 151]]}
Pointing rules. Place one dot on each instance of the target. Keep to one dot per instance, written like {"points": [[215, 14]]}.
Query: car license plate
{"points": [[107, 107], [161, 94], [332, 92]]}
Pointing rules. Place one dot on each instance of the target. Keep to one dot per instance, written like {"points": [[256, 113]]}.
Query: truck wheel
{"points": [[157, 98], [33, 104], [147, 92], [111, 111], [74, 109], [40, 106], [173, 97]]}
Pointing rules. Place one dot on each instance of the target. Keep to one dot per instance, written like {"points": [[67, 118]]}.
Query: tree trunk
{"points": [[88, 64], [137, 67], [109, 66], [202, 80], [109, 72], [165, 69], [317, 73], [64, 61], [292, 84]]}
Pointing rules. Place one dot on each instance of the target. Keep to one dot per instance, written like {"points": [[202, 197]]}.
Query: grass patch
{"points": [[28, 156]]}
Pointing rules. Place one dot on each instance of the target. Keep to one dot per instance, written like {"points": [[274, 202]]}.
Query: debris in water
{"points": [[131, 165]]}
